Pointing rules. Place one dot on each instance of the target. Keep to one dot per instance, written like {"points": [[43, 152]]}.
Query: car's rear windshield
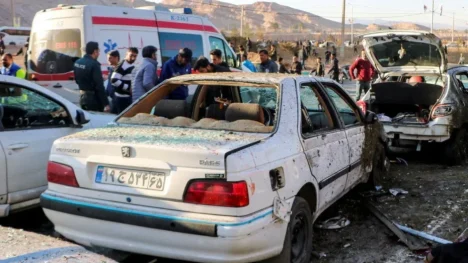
{"points": [[232, 107], [405, 53]]}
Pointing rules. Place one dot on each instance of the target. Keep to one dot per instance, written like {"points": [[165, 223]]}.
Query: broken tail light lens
{"points": [[362, 105], [441, 110], [217, 193], [61, 174]]}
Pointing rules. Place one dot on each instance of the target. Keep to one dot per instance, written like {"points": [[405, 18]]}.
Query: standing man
{"points": [[10, 68], [113, 58], [282, 67], [2, 46], [320, 68], [204, 66], [461, 61], [248, 45], [121, 79], [335, 68], [247, 63], [296, 67], [266, 65], [176, 66], [365, 72], [88, 76], [216, 57], [146, 77]]}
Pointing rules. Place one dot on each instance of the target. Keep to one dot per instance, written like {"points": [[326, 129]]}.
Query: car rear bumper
{"points": [[117, 226], [431, 133]]}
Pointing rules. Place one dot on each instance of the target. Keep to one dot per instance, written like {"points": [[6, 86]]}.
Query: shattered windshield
{"points": [[399, 53], [228, 107]]}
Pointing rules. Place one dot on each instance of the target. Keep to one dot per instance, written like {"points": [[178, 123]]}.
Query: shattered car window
{"points": [[217, 107], [402, 53], [266, 97]]}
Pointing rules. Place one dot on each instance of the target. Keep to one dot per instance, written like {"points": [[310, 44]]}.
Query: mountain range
{"points": [[260, 15]]}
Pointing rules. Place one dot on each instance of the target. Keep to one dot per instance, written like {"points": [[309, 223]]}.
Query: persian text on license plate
{"points": [[130, 178]]}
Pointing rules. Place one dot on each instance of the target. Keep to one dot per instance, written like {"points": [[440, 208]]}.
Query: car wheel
{"points": [[455, 149], [297, 247], [380, 167]]}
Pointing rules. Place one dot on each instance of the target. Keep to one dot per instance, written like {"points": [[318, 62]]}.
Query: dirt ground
{"points": [[437, 203]]}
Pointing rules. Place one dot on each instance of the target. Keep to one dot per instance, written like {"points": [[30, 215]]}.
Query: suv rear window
{"points": [[171, 43]]}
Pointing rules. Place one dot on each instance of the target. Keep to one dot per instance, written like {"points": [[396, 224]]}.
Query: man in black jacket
{"points": [[335, 68], [88, 76], [121, 79], [216, 57]]}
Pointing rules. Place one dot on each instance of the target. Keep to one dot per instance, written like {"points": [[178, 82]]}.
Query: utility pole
{"points": [[352, 24], [453, 26], [242, 22], [343, 14], [432, 22], [12, 13]]}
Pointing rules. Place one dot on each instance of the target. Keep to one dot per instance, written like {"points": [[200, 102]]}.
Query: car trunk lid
{"points": [[405, 51]]}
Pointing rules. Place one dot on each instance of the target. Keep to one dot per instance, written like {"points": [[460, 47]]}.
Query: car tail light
{"points": [[61, 174], [362, 105], [217, 193], [441, 110]]}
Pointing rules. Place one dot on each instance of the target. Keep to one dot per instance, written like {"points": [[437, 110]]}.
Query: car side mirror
{"points": [[371, 117], [81, 117]]}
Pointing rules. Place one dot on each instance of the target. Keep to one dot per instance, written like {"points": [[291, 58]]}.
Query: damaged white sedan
{"points": [[237, 174]]}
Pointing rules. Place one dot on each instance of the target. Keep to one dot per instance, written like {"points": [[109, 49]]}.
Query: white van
{"points": [[59, 35], [15, 35]]}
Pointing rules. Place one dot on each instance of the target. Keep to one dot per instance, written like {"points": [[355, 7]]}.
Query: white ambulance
{"points": [[59, 35]]}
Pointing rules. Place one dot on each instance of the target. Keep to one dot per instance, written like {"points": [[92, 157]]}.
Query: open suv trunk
{"points": [[404, 103]]}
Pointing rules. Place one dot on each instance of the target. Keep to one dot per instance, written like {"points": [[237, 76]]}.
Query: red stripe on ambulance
{"points": [[101, 20]]}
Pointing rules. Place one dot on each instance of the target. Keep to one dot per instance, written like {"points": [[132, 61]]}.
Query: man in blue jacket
{"points": [[146, 77], [176, 66]]}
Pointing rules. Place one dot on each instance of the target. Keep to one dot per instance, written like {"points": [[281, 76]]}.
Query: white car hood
{"points": [[422, 52]]}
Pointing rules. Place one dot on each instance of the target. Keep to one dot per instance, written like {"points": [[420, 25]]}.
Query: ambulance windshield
{"points": [[54, 51]]}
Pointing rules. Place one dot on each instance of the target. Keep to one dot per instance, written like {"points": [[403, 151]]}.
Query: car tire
{"points": [[297, 247], [379, 169], [456, 148]]}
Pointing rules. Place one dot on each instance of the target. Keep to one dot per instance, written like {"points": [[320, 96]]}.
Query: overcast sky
{"points": [[392, 10]]}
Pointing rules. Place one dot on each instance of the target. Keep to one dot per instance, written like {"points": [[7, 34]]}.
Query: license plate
{"points": [[130, 178]]}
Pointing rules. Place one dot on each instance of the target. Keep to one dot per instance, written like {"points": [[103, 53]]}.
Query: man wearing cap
{"points": [[176, 66]]}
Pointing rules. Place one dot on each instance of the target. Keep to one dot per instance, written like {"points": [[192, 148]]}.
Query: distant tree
{"points": [[274, 26], [248, 32], [259, 33]]}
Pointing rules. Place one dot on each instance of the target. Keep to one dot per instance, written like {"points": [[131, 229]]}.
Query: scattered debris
{"points": [[423, 235], [400, 161], [319, 255], [378, 187], [412, 243], [347, 245], [397, 191], [463, 236], [333, 223]]}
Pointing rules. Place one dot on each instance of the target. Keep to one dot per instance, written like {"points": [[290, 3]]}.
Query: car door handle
{"points": [[18, 146]]}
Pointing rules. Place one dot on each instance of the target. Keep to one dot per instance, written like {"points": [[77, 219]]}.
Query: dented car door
{"points": [[325, 144], [351, 120]]}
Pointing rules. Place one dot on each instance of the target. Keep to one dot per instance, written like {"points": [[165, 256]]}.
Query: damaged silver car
{"points": [[417, 98]]}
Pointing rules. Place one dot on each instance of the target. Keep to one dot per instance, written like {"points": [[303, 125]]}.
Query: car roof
{"points": [[257, 78]]}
